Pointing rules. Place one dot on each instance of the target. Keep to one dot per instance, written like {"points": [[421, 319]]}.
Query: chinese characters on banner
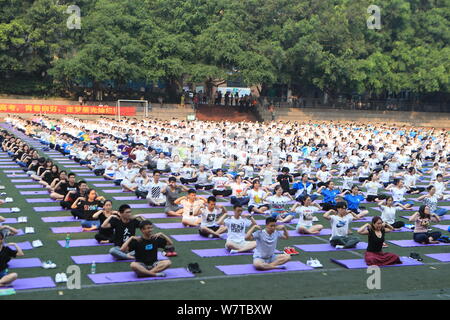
{"points": [[60, 109]]}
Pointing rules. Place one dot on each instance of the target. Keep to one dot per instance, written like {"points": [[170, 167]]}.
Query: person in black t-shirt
{"points": [[86, 209], [58, 186], [74, 196], [146, 251], [6, 254], [124, 226], [284, 179], [105, 235], [374, 254], [69, 189]]}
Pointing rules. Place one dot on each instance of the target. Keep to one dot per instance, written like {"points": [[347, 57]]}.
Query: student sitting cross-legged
{"points": [[146, 251], [264, 257]]}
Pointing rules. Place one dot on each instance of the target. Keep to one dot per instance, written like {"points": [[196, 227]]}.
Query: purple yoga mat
{"points": [[361, 264], [29, 186], [115, 191], [105, 185], [443, 257], [130, 276], [69, 230], [33, 283], [83, 243], [86, 174], [71, 166], [13, 171], [236, 269], [171, 225], [130, 198], [195, 237], [10, 221], [5, 210], [17, 175], [153, 215], [139, 205], [442, 226], [27, 193], [19, 233], [412, 243], [22, 180], [220, 252], [94, 179], [26, 245], [59, 219], [328, 247], [43, 209], [7, 162], [445, 217], [403, 229], [323, 232], [81, 170], [10, 166], [103, 258], [40, 200], [24, 263]]}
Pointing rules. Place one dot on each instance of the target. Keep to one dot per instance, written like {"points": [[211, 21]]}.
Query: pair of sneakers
{"points": [[194, 268], [170, 252], [48, 265], [291, 251], [314, 263], [61, 278]]}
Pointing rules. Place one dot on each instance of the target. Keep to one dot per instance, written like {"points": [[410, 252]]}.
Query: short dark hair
{"points": [[82, 181], [145, 223], [270, 220], [237, 206], [124, 207], [212, 199], [172, 179], [341, 205], [191, 191], [71, 174]]}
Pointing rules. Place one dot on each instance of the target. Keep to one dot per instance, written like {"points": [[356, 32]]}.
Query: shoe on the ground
{"points": [[288, 250], [339, 247], [15, 209], [232, 251], [58, 278], [9, 200], [63, 277], [310, 263], [160, 274], [317, 264], [194, 268], [294, 251], [415, 256], [46, 265], [315, 219], [51, 264]]}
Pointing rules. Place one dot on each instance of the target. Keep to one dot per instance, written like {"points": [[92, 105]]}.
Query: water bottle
{"points": [[67, 240], [93, 267]]}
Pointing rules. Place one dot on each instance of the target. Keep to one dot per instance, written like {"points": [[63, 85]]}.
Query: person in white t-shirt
{"points": [[388, 213], [191, 208], [155, 197], [256, 196], [212, 216], [140, 153], [306, 210], [340, 224], [236, 226], [220, 184], [129, 173]]}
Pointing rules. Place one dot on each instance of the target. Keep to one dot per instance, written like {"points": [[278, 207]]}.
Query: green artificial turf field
{"points": [[331, 282]]}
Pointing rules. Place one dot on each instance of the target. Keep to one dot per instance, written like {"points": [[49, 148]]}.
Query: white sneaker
{"points": [[29, 230], [317, 264], [58, 278], [315, 219], [15, 209], [310, 263], [63, 277], [233, 251], [51, 264], [339, 247], [22, 219], [210, 236], [2, 187], [9, 200], [45, 265]]}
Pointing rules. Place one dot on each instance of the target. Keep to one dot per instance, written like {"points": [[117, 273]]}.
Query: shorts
{"points": [[191, 219], [148, 267], [3, 273], [265, 260], [303, 226], [404, 202], [205, 234], [238, 245], [281, 215], [250, 208]]}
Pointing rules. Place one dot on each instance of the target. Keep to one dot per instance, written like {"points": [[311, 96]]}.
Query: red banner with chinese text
{"points": [[61, 109]]}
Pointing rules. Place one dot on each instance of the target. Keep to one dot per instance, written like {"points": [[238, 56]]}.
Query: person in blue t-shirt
{"points": [[353, 199], [303, 188], [329, 194]]}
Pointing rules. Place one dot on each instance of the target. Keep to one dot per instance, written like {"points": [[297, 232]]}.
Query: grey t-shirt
{"points": [[171, 196], [265, 244]]}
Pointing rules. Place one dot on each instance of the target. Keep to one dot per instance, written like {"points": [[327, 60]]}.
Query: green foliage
{"points": [[325, 44]]}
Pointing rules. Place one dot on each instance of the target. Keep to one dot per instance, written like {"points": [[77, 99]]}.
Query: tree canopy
{"points": [[308, 43]]}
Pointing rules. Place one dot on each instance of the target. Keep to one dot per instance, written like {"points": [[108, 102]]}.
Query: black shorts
{"points": [[250, 208], [205, 234]]}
